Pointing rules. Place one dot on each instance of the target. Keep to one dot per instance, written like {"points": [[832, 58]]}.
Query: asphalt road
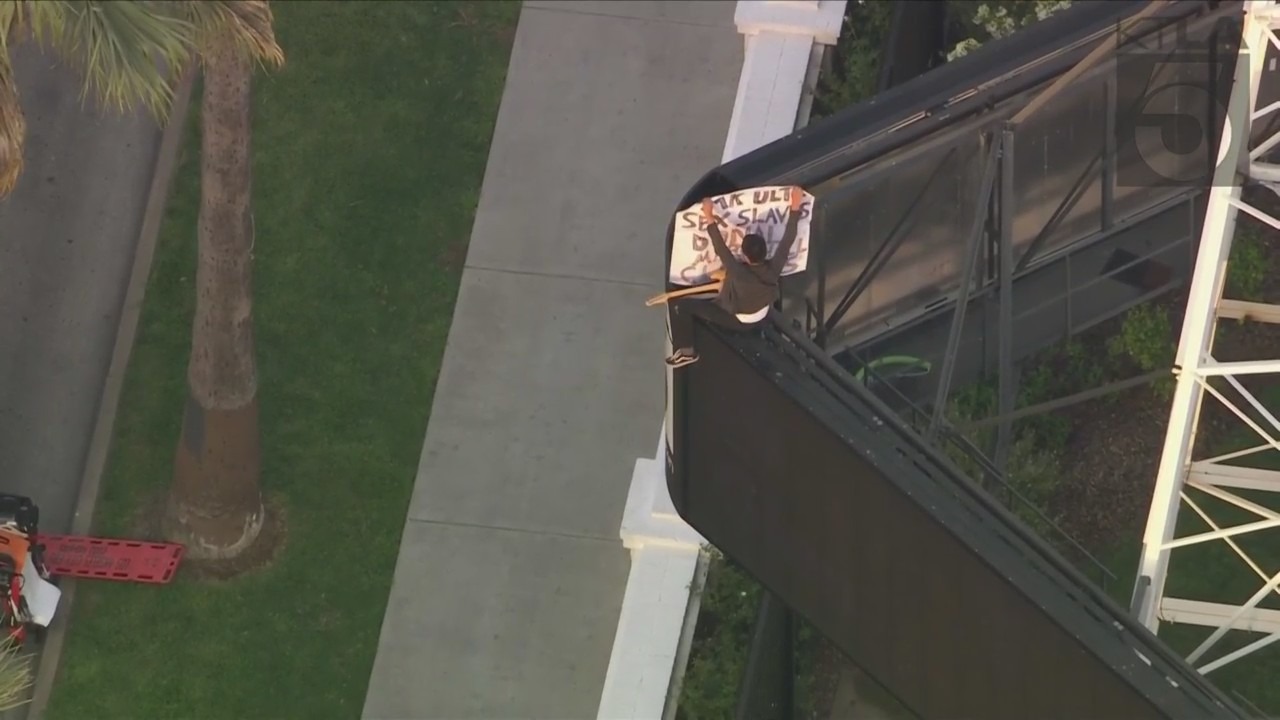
{"points": [[67, 236]]}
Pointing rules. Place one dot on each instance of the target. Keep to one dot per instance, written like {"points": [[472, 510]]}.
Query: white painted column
{"points": [[783, 38]]}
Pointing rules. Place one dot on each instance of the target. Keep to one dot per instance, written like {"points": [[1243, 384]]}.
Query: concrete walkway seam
{"points": [[100, 443]]}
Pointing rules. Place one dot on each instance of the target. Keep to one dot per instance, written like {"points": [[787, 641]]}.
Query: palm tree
{"points": [[15, 675], [123, 50], [215, 505]]}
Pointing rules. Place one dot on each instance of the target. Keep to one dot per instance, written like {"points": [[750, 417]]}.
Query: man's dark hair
{"points": [[755, 248]]}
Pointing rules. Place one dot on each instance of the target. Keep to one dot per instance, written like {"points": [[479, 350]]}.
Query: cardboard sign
{"points": [[762, 210]]}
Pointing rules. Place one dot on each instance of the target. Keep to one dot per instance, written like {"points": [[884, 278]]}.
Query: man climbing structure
{"points": [[748, 288]]}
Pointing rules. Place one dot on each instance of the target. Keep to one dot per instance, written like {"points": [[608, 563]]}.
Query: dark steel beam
{"points": [[1069, 400], [1103, 48], [1060, 213], [1070, 297], [1214, 119], [819, 217], [973, 250], [986, 293], [1005, 350], [767, 688], [887, 248], [1109, 157]]}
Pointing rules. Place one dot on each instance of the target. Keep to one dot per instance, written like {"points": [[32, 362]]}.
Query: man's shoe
{"points": [[680, 359]]}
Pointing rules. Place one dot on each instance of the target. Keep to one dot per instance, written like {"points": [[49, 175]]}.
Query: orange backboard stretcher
{"points": [[107, 559]]}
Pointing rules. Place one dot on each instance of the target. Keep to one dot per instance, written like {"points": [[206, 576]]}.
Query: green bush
{"points": [[1060, 371], [1034, 469], [1146, 339], [1052, 374], [856, 67], [1035, 473], [986, 21], [1249, 265], [721, 641], [1082, 367], [974, 401]]}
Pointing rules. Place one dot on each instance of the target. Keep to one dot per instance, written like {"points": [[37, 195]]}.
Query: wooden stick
{"points": [[696, 290]]}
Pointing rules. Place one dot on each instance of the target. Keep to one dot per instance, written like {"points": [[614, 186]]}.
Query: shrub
{"points": [[1035, 455], [974, 401], [722, 641], [856, 67], [1059, 371], [985, 21], [1146, 339], [1034, 472]]}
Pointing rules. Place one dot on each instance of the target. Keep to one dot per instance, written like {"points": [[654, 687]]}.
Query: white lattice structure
{"points": [[1181, 480]]}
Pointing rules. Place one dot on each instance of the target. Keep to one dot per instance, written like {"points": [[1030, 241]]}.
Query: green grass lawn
{"points": [[370, 147]]}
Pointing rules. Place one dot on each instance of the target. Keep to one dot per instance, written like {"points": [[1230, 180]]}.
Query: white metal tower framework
{"points": [[1198, 373]]}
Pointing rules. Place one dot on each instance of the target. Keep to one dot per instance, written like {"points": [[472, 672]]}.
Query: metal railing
{"points": [[995, 482]]}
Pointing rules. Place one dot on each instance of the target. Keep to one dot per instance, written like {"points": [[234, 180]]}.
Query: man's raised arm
{"points": [[727, 260], [778, 262]]}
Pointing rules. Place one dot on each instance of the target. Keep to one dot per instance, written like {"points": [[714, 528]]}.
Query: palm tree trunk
{"points": [[215, 504]]}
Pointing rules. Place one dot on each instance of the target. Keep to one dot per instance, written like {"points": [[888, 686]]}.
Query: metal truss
{"points": [[1199, 374], [991, 263]]}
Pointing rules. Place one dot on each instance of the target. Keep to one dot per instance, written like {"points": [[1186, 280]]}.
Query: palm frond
{"points": [[13, 125], [12, 16], [130, 53], [15, 675], [246, 23], [13, 128], [127, 51]]}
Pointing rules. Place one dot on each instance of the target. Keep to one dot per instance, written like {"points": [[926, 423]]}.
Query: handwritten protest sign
{"points": [[762, 210]]}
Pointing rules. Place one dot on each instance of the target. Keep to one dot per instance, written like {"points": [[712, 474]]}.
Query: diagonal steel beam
{"points": [[981, 213], [1005, 347], [1060, 213], [887, 248], [1097, 54]]}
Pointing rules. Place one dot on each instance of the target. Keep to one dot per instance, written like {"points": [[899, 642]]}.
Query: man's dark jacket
{"points": [[748, 288]]}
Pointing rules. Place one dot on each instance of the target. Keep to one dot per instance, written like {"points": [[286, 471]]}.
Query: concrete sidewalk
{"points": [[511, 573]]}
